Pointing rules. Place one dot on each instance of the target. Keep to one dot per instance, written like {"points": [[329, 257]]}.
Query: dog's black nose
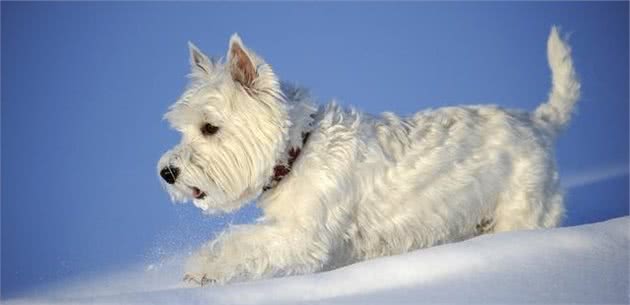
{"points": [[169, 174]]}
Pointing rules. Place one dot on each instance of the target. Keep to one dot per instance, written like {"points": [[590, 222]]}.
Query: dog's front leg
{"points": [[257, 251]]}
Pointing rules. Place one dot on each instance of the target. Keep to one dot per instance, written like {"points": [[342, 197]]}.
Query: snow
{"points": [[582, 264]]}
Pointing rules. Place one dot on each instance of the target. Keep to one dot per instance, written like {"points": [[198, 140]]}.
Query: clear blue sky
{"points": [[85, 85]]}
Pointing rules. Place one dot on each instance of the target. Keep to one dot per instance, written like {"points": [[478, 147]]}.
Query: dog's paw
{"points": [[200, 279]]}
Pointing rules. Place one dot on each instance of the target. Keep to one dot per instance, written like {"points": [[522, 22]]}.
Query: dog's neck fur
{"points": [[301, 114]]}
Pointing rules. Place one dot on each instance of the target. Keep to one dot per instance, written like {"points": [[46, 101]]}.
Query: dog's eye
{"points": [[208, 129]]}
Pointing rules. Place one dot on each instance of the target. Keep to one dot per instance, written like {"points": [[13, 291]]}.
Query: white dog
{"points": [[338, 186]]}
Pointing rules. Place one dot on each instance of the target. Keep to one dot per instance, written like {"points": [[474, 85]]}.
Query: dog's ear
{"points": [[199, 62], [240, 63]]}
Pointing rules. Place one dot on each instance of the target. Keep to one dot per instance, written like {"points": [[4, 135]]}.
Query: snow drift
{"points": [[583, 264]]}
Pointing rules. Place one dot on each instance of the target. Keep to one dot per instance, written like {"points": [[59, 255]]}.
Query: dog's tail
{"points": [[555, 114]]}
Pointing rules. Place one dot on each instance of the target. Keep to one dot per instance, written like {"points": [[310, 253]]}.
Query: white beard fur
{"points": [[363, 186]]}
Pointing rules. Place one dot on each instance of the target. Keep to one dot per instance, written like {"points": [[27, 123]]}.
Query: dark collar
{"points": [[283, 169]]}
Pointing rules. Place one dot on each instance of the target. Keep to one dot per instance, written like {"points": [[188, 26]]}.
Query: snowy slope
{"points": [[583, 264]]}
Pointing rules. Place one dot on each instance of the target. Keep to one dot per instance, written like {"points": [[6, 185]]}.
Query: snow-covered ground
{"points": [[583, 264]]}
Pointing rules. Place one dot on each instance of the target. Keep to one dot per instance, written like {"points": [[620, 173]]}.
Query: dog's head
{"points": [[233, 121]]}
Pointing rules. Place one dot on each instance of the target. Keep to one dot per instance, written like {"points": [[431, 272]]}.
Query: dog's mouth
{"points": [[197, 193]]}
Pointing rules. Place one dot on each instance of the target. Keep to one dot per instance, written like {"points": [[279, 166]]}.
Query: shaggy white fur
{"points": [[363, 186]]}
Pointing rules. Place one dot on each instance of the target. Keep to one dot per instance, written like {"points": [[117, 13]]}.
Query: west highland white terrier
{"points": [[338, 186]]}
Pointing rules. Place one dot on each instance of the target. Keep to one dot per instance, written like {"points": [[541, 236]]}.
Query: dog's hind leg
{"points": [[530, 211], [534, 200]]}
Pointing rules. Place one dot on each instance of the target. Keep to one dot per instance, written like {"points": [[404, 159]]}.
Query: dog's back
{"points": [[456, 172]]}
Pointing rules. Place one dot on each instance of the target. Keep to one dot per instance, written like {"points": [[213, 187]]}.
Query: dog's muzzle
{"points": [[169, 174]]}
